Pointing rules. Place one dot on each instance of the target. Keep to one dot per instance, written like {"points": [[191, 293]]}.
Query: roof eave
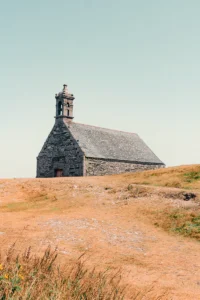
{"points": [[126, 161]]}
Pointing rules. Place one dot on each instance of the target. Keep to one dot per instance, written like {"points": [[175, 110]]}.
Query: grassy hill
{"points": [[187, 177], [146, 224]]}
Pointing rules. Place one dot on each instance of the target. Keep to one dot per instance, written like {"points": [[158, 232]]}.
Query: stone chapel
{"points": [[74, 149]]}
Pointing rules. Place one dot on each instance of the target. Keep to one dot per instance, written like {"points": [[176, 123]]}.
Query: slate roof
{"points": [[97, 142]]}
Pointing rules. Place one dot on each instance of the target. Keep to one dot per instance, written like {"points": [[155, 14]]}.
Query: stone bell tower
{"points": [[64, 105]]}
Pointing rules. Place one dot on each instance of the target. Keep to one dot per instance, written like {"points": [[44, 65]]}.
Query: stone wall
{"points": [[60, 151], [96, 167]]}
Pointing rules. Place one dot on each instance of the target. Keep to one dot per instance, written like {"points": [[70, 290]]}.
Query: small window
{"points": [[67, 104], [68, 112]]}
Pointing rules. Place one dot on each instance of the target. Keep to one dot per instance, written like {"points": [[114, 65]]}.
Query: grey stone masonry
{"points": [[60, 151], [98, 167]]}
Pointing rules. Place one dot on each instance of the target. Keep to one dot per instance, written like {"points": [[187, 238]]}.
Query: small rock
{"points": [[188, 196]]}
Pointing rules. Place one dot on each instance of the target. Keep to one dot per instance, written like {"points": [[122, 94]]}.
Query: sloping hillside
{"points": [[146, 223]]}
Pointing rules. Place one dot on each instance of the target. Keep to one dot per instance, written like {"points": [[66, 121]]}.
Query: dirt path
{"points": [[95, 216]]}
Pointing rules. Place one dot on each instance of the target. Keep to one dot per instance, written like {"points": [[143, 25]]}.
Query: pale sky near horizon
{"points": [[131, 65]]}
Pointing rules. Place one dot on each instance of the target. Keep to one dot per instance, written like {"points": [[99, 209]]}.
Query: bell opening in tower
{"points": [[60, 108]]}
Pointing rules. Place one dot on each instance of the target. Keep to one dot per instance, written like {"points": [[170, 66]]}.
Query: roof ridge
{"points": [[105, 128]]}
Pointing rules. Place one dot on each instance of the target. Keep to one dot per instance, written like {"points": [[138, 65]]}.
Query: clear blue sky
{"points": [[132, 65]]}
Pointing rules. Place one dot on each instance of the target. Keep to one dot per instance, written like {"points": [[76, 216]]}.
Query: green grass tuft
{"points": [[180, 221], [192, 176]]}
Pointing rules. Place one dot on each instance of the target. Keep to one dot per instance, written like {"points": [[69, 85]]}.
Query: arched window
{"points": [[60, 108], [68, 112], [67, 104]]}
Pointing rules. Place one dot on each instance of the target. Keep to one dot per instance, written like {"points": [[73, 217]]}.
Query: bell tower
{"points": [[64, 105]]}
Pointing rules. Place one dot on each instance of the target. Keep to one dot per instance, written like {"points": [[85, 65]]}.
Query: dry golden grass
{"points": [[29, 277], [187, 177], [180, 220]]}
